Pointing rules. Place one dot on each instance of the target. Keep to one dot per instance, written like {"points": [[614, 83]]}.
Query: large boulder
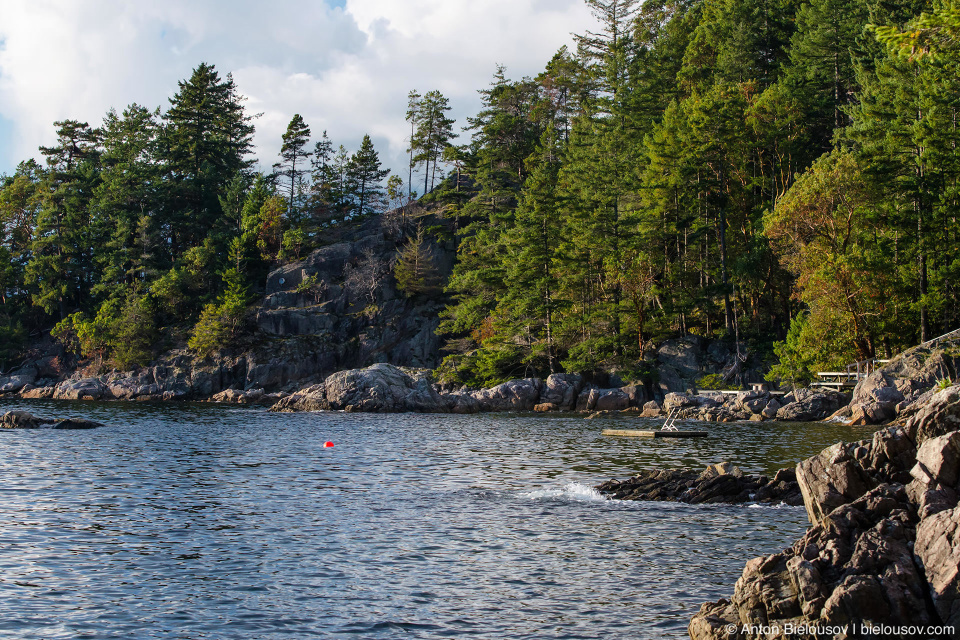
{"points": [[871, 413], [514, 395], [809, 405], [82, 389], [26, 420], [939, 416], [855, 567], [37, 393], [562, 390], [17, 380], [20, 420], [934, 484], [752, 401], [382, 388], [938, 549], [312, 398], [673, 401], [844, 472], [910, 374], [463, 403], [612, 400]]}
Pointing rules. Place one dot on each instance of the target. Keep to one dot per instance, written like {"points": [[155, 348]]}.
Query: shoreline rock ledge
{"points": [[883, 548], [384, 388], [718, 483]]}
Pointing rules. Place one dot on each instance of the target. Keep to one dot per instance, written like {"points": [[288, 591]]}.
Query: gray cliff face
{"points": [[683, 361], [336, 309], [344, 298], [884, 545]]}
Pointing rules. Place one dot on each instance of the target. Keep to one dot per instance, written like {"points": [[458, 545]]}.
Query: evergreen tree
{"points": [[128, 198], [531, 302], [413, 117], [434, 131], [365, 178], [294, 166], [20, 200], [324, 181], [60, 268], [206, 138], [415, 270]]}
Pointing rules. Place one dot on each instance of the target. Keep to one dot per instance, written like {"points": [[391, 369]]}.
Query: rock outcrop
{"points": [[381, 388], [906, 383], [719, 483], [682, 362], [562, 390], [884, 546], [514, 395]]}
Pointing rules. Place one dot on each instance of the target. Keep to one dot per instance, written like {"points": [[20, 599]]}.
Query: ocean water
{"points": [[184, 521]]}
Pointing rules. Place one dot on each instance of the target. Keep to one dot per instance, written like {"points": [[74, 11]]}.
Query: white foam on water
{"points": [[573, 491], [782, 505]]}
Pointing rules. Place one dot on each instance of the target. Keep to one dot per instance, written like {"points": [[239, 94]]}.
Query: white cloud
{"points": [[344, 70]]}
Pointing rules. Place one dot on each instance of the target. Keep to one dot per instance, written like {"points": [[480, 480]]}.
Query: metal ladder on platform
{"points": [[670, 422]]}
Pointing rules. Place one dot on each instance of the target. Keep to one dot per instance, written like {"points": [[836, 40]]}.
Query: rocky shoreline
{"points": [[888, 396], [883, 547]]}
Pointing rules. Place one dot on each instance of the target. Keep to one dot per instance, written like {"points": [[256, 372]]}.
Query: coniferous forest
{"points": [[776, 172]]}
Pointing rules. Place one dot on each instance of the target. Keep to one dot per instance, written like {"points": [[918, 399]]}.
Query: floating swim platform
{"points": [[630, 433]]}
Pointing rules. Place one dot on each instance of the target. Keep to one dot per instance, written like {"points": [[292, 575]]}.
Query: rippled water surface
{"points": [[203, 521]]}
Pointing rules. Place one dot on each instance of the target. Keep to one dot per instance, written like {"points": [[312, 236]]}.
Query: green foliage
{"points": [[295, 163], [212, 331], [742, 169], [122, 332], [218, 323], [365, 177], [933, 35], [293, 243], [205, 140], [714, 381], [795, 354], [12, 339], [415, 270], [432, 133]]}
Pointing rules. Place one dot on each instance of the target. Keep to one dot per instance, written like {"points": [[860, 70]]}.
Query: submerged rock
{"points": [[26, 420], [75, 423], [21, 420], [719, 483]]}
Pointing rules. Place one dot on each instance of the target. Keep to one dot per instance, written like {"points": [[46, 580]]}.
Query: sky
{"points": [[346, 66]]}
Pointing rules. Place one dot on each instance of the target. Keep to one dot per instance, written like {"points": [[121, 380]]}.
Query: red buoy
{"points": [[327, 444]]}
